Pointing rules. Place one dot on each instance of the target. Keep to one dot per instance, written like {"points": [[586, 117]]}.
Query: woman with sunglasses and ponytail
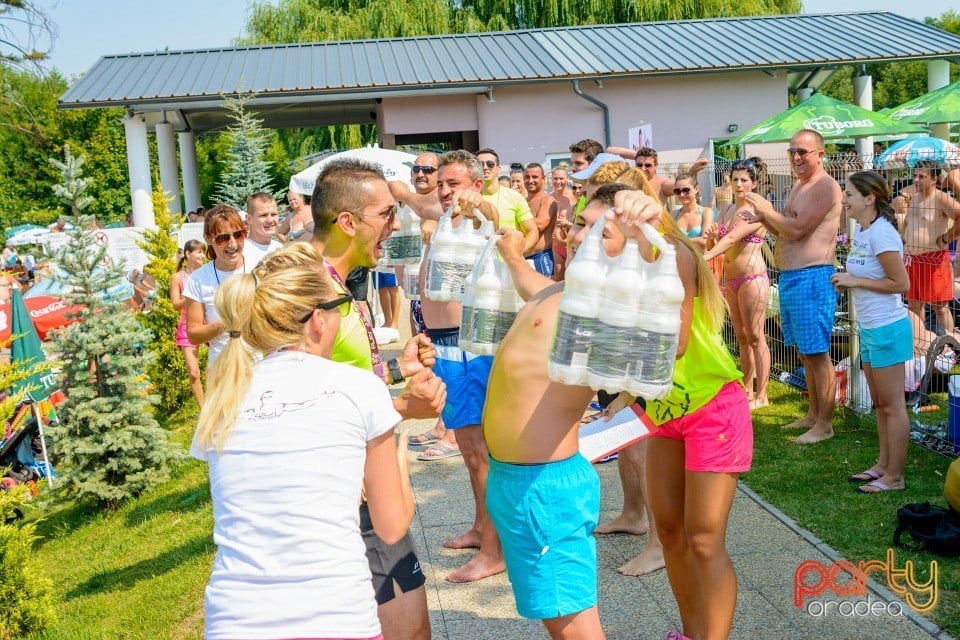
{"points": [[877, 278], [224, 233], [291, 562], [690, 215], [745, 282]]}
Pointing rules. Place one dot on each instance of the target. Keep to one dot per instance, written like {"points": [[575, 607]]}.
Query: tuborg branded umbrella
{"points": [[940, 105], [830, 118]]}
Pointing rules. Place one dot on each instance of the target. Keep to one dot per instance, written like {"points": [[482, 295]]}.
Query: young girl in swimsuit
{"points": [[193, 254], [745, 280]]}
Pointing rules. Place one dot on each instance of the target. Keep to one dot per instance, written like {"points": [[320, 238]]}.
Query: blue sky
{"points": [[90, 29]]}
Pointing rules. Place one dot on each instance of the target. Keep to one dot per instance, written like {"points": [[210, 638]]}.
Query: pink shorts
{"points": [[182, 339], [717, 437]]}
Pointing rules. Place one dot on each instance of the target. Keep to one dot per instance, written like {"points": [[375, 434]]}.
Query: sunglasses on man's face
{"points": [[646, 165], [797, 151], [489, 164], [223, 239], [342, 302], [682, 191], [425, 169]]}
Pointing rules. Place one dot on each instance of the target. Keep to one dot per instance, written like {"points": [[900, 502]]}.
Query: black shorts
{"points": [[389, 562]]}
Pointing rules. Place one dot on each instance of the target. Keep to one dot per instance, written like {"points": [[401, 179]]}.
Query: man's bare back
{"points": [[529, 418]]}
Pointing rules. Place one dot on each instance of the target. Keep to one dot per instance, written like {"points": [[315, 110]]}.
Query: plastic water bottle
{"points": [[409, 246], [618, 318], [510, 302], [468, 314], [411, 280], [577, 319], [438, 283], [654, 349], [486, 310]]}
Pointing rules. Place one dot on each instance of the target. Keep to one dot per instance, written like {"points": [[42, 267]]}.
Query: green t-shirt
{"points": [[706, 366], [511, 206]]}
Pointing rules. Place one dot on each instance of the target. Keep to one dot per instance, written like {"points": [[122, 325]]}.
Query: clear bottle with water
{"points": [[577, 320], [618, 318], [510, 303], [438, 282], [654, 349], [410, 283], [403, 246], [486, 314]]}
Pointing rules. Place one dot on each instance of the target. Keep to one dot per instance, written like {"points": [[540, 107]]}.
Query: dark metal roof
{"points": [[328, 71]]}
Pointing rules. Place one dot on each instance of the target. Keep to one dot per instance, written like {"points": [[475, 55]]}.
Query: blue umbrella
{"points": [[906, 153]]}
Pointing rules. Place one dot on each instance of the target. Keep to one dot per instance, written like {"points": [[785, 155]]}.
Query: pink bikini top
{"points": [[749, 239]]}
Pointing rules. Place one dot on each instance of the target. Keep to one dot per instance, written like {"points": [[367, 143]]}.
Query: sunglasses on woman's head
{"points": [[223, 239], [683, 190], [332, 304]]}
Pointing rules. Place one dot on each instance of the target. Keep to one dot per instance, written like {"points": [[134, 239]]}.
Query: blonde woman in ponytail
{"points": [[290, 438]]}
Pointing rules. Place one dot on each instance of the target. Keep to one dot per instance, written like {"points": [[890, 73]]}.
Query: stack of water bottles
{"points": [[453, 254], [404, 246], [490, 303], [619, 319]]}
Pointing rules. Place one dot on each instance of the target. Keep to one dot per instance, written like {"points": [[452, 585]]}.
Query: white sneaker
{"points": [[386, 335]]}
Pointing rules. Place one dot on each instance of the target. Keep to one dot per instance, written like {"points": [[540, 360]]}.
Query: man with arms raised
{"points": [[543, 495], [460, 183], [353, 213], [262, 220], [544, 210], [806, 251], [928, 228], [648, 160]]}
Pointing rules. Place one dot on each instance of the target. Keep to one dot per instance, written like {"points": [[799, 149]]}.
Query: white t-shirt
{"points": [[201, 287], [286, 495], [874, 309], [254, 252]]}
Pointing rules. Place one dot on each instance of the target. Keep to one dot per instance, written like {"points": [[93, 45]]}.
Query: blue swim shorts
{"points": [[545, 515], [465, 375], [542, 261], [808, 304], [887, 345], [385, 280]]}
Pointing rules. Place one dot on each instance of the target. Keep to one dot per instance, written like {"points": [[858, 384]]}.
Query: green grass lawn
{"points": [[139, 572], [809, 483]]}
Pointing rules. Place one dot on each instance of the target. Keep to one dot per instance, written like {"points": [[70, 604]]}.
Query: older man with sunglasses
{"points": [[353, 213], [806, 252]]}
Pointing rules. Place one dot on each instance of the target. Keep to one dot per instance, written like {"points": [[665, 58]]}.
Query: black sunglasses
{"points": [[326, 306], [646, 165], [797, 151], [746, 165], [490, 164], [683, 190], [425, 169], [223, 239]]}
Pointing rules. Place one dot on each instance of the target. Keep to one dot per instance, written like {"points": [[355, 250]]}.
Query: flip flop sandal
{"points": [[445, 452], [877, 487], [424, 439], [869, 473]]}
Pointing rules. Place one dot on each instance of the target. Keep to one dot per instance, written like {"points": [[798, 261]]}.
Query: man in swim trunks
{"points": [[928, 228], [544, 210], [543, 496], [806, 251]]}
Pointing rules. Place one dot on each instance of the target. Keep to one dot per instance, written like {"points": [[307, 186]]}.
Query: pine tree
{"points": [[247, 171], [109, 443]]}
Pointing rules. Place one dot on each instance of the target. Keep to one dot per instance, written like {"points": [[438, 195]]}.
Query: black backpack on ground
{"points": [[935, 528]]}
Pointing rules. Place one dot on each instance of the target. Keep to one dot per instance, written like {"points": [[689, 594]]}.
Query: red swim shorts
{"points": [[931, 277]]}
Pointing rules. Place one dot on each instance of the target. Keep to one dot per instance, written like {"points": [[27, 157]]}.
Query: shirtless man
{"points": [[542, 494], [647, 159], [928, 228], [460, 182], [806, 251], [544, 210]]}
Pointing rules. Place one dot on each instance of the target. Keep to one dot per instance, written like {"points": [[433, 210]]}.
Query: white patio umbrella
{"points": [[395, 164]]}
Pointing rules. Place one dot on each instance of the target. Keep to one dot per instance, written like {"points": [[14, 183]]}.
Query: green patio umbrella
{"points": [[830, 118], [940, 105], [28, 350]]}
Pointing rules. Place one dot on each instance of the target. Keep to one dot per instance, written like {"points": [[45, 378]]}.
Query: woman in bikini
{"points": [[745, 280], [690, 215]]}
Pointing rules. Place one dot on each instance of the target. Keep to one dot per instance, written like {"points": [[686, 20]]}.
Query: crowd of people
{"points": [[296, 375]]}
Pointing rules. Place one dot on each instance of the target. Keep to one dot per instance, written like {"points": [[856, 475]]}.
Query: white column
{"points": [[863, 97], [138, 165], [167, 154], [803, 94], [188, 167], [938, 75]]}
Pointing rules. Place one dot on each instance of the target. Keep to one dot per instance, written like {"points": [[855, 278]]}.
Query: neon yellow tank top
{"points": [[706, 366], [352, 345]]}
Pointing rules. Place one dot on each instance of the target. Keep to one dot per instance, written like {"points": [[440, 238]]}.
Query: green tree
{"points": [[26, 33], [109, 442], [246, 168]]}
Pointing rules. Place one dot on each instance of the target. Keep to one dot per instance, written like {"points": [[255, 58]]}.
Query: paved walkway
{"points": [[765, 552]]}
